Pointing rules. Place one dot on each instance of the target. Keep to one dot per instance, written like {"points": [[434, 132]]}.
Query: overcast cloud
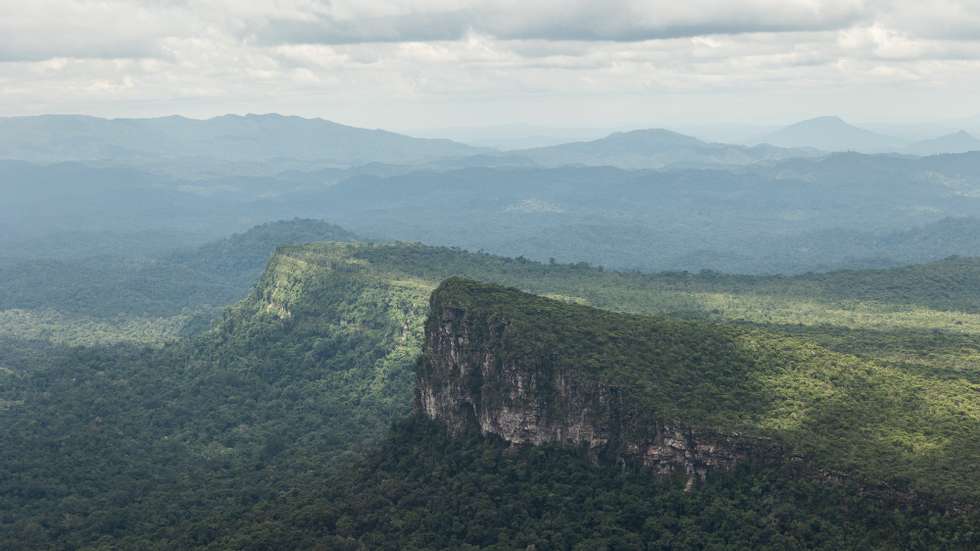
{"points": [[456, 62]]}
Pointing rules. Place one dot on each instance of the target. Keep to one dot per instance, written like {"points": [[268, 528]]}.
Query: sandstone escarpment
{"points": [[484, 370]]}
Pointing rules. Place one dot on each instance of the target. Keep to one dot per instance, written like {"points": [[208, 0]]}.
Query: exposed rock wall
{"points": [[467, 381]]}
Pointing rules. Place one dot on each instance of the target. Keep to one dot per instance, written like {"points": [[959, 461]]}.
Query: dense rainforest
{"points": [[423, 490], [269, 429]]}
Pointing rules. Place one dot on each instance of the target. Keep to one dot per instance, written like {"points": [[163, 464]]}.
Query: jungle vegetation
{"points": [[271, 420]]}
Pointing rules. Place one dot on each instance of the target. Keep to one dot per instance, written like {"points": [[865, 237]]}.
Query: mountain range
{"points": [[957, 142], [655, 148], [230, 137], [840, 210], [833, 134], [265, 145]]}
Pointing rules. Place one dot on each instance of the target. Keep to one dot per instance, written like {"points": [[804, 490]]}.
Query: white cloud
{"points": [[402, 62], [339, 22], [44, 29]]}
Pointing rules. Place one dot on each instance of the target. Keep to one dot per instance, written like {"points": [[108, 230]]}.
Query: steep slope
{"points": [[535, 393], [534, 371], [653, 148], [831, 134], [817, 378], [230, 137], [671, 396]]}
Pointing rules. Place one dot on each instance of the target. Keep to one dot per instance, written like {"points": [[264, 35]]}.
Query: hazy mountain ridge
{"points": [[795, 215], [956, 142], [831, 133], [229, 137], [787, 216], [654, 148], [267, 144]]}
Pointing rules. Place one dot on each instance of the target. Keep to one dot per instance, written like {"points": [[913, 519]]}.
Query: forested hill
{"points": [[238, 432], [828, 403], [215, 274], [135, 298]]}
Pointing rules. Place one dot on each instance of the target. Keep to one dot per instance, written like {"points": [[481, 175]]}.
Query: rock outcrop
{"points": [[468, 379]]}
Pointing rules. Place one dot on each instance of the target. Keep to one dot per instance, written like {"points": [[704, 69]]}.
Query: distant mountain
{"points": [[512, 136], [957, 142], [247, 138], [654, 148], [831, 134]]}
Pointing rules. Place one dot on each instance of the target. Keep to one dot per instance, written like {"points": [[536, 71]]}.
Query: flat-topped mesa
{"points": [[534, 371]]}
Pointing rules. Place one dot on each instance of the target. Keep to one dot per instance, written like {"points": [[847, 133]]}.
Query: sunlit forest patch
{"points": [[780, 310]]}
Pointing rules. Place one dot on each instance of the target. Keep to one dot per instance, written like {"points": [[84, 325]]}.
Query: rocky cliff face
{"points": [[469, 380]]}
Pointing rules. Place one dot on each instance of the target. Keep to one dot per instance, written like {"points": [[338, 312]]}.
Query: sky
{"points": [[458, 63]]}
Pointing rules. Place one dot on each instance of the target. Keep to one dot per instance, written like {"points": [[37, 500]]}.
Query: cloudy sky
{"points": [[441, 63]]}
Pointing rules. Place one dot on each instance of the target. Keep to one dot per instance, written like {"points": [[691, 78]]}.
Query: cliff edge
{"points": [[536, 371]]}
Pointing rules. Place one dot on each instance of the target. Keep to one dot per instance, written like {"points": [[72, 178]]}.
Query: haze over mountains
{"points": [[957, 142], [834, 134], [654, 148], [831, 134], [248, 138], [646, 199], [251, 373], [269, 144]]}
